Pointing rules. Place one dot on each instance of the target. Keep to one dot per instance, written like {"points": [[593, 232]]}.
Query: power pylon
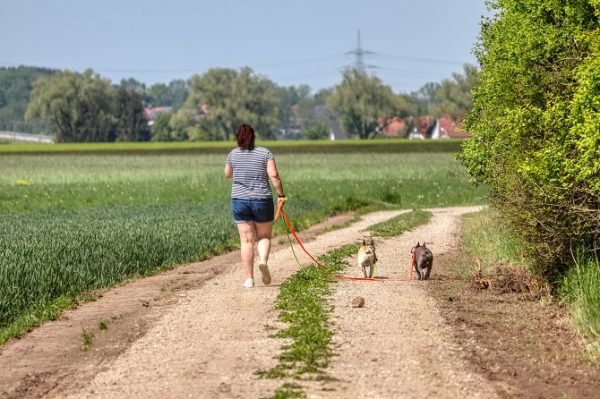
{"points": [[359, 55]]}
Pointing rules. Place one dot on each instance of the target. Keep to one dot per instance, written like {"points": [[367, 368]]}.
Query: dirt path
{"points": [[208, 340]]}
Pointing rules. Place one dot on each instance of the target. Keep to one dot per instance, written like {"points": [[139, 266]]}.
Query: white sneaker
{"points": [[248, 283], [264, 272]]}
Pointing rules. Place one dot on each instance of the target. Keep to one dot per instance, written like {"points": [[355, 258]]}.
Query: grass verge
{"points": [[495, 259], [26, 321], [580, 288], [401, 223]]}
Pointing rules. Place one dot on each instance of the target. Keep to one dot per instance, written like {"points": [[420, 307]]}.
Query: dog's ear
{"points": [[364, 242]]}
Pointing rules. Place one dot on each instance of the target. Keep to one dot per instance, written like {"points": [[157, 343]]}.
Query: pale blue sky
{"points": [[289, 41]]}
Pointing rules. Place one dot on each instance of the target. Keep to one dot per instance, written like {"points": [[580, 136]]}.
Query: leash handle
{"points": [[279, 208]]}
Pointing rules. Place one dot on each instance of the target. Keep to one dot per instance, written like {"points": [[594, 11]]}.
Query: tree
{"points": [[222, 99], [294, 104], [131, 119], [16, 84], [177, 93], [317, 131], [423, 99], [161, 129], [172, 95], [536, 125], [157, 94], [453, 97], [80, 106], [364, 103]]}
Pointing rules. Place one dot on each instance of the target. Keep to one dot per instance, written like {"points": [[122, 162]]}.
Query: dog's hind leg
{"points": [[427, 272]]}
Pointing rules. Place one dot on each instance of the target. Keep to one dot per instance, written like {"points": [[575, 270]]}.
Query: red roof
{"points": [[452, 129], [395, 128], [152, 112]]}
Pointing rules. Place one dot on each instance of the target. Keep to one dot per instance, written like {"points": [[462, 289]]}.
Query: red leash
{"points": [[291, 229]]}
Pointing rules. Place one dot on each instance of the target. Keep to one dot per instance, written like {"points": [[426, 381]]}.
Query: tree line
{"points": [[209, 106]]}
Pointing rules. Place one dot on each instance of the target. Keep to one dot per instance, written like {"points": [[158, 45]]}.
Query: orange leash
{"points": [[281, 212]]}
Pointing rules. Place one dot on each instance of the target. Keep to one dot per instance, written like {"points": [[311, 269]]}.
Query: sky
{"points": [[407, 42]]}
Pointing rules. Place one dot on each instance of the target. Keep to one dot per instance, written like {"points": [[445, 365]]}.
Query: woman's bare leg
{"points": [[247, 232], [263, 236]]}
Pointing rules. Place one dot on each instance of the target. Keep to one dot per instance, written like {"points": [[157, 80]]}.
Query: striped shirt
{"points": [[250, 178]]}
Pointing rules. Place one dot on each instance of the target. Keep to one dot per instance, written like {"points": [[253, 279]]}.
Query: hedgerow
{"points": [[536, 125]]}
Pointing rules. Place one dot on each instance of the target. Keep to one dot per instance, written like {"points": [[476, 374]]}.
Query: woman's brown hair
{"points": [[245, 137]]}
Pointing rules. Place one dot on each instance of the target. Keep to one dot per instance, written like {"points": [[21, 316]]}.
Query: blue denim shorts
{"points": [[256, 210]]}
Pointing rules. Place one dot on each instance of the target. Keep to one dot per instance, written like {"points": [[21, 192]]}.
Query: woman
{"points": [[250, 168]]}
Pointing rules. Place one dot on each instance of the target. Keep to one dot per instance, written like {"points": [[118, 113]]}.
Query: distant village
{"points": [[424, 127]]}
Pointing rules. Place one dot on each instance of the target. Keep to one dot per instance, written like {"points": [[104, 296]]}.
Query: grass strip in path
{"points": [[401, 223], [302, 305]]}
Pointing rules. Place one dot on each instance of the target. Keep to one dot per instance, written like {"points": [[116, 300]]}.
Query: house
{"points": [[422, 127], [445, 128], [152, 113], [336, 132], [395, 128]]}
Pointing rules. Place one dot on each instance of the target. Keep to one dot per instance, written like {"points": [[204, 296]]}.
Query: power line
{"points": [[419, 59]]}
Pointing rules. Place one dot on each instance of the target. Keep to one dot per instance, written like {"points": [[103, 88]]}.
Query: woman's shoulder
{"points": [[262, 149]]}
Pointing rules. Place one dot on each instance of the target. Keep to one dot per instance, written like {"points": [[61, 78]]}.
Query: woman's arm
{"points": [[275, 179], [228, 171]]}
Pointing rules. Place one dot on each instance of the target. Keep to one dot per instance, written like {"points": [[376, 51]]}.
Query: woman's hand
{"points": [[281, 201]]}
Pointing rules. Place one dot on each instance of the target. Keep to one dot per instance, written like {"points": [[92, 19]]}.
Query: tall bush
{"points": [[536, 124]]}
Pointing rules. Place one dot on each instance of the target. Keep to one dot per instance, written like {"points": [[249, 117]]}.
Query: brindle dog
{"points": [[422, 261]]}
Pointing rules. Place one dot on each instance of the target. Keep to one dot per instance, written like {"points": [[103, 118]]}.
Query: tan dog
{"points": [[367, 258]]}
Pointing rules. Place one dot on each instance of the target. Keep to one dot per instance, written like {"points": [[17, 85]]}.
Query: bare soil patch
{"points": [[522, 344]]}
